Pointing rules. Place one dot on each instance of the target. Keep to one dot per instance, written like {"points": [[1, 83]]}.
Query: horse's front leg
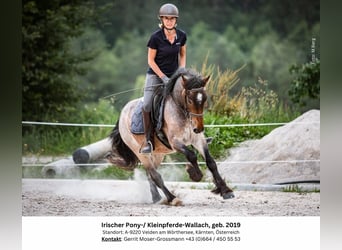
{"points": [[200, 143], [193, 169], [221, 186]]}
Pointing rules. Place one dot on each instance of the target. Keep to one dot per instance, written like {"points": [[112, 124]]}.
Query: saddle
{"points": [[157, 118]]}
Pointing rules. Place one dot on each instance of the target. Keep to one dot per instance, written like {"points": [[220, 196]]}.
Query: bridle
{"points": [[186, 110]]}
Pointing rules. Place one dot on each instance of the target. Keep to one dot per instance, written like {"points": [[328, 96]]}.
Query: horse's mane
{"points": [[194, 80]]}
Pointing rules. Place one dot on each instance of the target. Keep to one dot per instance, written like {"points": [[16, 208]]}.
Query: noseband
{"points": [[193, 114]]}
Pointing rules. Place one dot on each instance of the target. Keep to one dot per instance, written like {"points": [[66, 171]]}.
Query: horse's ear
{"points": [[185, 80], [206, 80]]}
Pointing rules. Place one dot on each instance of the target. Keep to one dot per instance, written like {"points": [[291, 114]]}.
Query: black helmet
{"points": [[168, 9]]}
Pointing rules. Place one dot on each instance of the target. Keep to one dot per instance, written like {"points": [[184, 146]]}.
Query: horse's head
{"points": [[195, 98]]}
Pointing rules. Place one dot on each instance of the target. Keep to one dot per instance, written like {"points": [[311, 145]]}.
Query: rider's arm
{"points": [[182, 57], [151, 55]]}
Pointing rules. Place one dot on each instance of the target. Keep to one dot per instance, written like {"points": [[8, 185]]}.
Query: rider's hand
{"points": [[165, 79], [182, 70]]}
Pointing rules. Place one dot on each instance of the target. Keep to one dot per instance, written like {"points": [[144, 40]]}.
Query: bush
{"points": [[253, 104], [228, 137], [306, 84], [63, 140]]}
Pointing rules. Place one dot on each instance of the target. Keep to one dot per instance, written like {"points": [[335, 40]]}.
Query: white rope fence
{"points": [[67, 124], [175, 163], [207, 126], [181, 163]]}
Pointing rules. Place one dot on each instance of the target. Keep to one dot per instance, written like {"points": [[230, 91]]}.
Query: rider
{"points": [[166, 54]]}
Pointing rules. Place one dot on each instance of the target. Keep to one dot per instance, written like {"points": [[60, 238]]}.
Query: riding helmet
{"points": [[168, 9]]}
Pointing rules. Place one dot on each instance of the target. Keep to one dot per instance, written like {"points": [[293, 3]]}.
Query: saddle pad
{"points": [[137, 124]]}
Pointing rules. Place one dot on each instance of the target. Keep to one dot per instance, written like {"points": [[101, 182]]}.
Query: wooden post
{"points": [[63, 167], [92, 152]]}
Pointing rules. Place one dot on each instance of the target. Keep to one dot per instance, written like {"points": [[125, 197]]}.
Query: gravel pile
{"points": [[288, 153]]}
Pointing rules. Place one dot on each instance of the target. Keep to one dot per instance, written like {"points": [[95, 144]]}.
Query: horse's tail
{"points": [[127, 160]]}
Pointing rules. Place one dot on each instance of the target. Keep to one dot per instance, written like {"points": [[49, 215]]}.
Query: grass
{"points": [[297, 189]]}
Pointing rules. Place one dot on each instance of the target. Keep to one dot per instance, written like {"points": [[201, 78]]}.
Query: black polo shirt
{"points": [[167, 53]]}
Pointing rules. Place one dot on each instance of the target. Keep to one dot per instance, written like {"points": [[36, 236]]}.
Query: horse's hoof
{"points": [[228, 195], [176, 202]]}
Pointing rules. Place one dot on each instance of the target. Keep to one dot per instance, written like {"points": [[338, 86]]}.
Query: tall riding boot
{"points": [[147, 147], [161, 115], [161, 110]]}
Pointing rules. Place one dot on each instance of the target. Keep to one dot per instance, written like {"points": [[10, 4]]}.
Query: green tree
{"points": [[48, 65], [101, 71], [306, 84], [270, 60], [131, 48], [199, 44]]}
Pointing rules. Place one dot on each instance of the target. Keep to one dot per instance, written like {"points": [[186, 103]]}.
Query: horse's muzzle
{"points": [[197, 122]]}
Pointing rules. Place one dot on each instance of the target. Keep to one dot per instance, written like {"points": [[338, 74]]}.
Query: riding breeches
{"points": [[152, 82]]}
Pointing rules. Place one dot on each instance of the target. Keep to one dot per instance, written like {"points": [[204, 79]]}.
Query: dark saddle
{"points": [[157, 118]]}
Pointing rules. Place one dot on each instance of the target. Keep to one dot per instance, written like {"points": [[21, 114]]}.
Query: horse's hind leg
{"points": [[153, 188], [157, 179]]}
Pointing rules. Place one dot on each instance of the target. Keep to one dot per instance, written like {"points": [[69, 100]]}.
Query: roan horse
{"points": [[183, 125]]}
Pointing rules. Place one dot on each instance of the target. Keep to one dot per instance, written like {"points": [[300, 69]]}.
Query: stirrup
{"points": [[147, 149]]}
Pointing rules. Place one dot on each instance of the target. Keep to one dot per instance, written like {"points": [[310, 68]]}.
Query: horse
{"points": [[183, 125]]}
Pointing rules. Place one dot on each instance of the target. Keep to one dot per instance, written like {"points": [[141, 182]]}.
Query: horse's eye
{"points": [[190, 101]]}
